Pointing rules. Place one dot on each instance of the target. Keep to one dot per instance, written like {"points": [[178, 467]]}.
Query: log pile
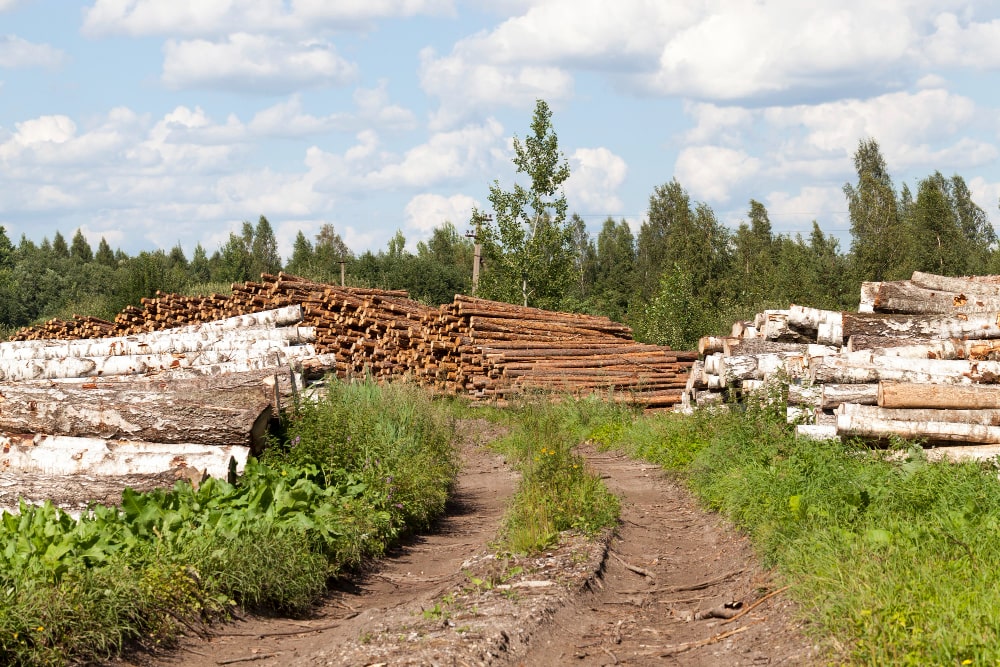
{"points": [[149, 407], [479, 348], [920, 360]]}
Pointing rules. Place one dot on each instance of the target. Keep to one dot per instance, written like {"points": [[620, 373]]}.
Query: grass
{"points": [[896, 559], [352, 473], [556, 492]]}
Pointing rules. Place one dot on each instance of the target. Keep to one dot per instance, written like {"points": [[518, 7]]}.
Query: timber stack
{"points": [[148, 408], [919, 360], [482, 349]]}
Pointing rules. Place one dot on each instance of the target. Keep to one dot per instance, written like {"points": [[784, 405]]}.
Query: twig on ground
{"points": [[756, 604], [288, 633], [613, 656], [248, 658], [633, 568], [704, 584], [687, 646]]}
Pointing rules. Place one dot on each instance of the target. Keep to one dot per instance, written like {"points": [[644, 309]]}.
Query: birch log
{"points": [[208, 417], [62, 455], [836, 369], [973, 325], [14, 370], [949, 284], [905, 297], [836, 394], [166, 342], [873, 422]]}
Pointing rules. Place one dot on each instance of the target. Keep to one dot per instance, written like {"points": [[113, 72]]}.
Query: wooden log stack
{"points": [[484, 349], [920, 360]]}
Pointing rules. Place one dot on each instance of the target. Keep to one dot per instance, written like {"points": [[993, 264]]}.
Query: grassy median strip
{"points": [[556, 492], [894, 558], [354, 471]]}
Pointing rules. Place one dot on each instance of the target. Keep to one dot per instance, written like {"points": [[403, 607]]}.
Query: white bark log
{"points": [[167, 342], [61, 455], [809, 395], [869, 292], [852, 370], [836, 394], [935, 326], [868, 422], [948, 284], [208, 416], [14, 370], [816, 431], [962, 453]]}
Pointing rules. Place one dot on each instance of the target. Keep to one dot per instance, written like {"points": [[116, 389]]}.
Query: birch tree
{"points": [[529, 247]]}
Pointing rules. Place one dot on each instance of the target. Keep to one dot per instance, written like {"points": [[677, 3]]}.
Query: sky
{"points": [[153, 123]]}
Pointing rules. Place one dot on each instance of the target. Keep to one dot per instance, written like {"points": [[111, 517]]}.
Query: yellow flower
{"points": [[41, 628], [966, 662]]}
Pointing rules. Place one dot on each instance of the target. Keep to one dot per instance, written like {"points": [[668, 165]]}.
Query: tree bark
{"points": [[933, 425], [960, 285], [236, 416], [936, 326], [63, 455], [965, 397]]}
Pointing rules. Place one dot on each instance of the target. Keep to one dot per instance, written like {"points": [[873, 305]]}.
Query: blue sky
{"points": [[157, 122]]}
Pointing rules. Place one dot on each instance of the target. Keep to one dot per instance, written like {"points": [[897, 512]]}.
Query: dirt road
{"points": [[637, 597]]}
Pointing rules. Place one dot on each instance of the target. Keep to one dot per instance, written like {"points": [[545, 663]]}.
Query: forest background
{"points": [[682, 276]]}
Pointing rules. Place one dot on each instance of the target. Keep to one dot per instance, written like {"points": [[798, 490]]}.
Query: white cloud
{"points": [[427, 211], [254, 63], [975, 45], [8, 4], [198, 17], [711, 172], [596, 175], [17, 52], [466, 86], [447, 157]]}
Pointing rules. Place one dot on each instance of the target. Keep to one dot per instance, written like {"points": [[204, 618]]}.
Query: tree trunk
{"points": [[906, 297], [836, 394], [860, 423], [63, 455], [972, 325], [965, 397], [236, 416], [959, 285], [168, 341]]}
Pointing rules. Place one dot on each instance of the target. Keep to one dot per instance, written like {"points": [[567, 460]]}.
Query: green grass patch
{"points": [[356, 470], [895, 557], [557, 492]]}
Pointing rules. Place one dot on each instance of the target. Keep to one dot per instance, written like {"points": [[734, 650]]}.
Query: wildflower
{"points": [[40, 628]]}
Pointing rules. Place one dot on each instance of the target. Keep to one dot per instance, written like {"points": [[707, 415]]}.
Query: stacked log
{"points": [[475, 347], [920, 360]]}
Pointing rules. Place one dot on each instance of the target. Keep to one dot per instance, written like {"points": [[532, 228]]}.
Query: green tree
{"points": [[303, 259], [529, 247], [330, 251], [938, 242], [105, 256], [80, 249], [614, 269], [264, 250], [877, 231], [60, 249], [753, 257], [199, 269]]}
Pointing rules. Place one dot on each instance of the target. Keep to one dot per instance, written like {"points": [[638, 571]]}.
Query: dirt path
{"points": [[669, 561], [444, 599]]}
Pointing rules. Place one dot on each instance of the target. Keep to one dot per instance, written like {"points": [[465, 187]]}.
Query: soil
{"points": [[651, 592]]}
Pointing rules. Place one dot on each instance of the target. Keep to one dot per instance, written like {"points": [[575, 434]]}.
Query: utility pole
{"points": [[343, 261], [476, 235]]}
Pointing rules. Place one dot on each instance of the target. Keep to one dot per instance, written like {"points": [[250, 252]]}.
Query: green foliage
{"points": [[74, 591], [876, 228], [556, 492], [895, 557], [529, 249]]}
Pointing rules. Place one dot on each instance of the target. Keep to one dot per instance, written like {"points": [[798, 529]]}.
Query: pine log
{"points": [[967, 397]]}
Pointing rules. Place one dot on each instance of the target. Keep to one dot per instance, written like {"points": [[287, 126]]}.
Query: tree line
{"points": [[682, 275]]}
